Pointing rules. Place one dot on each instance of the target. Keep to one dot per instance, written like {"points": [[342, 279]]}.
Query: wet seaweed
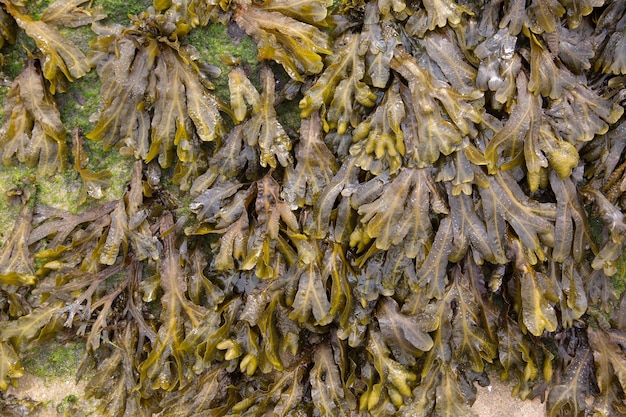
{"points": [[431, 219]]}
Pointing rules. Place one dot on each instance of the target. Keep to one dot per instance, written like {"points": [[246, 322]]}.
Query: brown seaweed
{"points": [[430, 219]]}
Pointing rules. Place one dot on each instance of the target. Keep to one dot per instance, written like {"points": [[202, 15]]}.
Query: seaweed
{"points": [[450, 204]]}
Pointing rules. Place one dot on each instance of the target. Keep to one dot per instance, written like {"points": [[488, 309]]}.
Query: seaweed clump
{"points": [[430, 216]]}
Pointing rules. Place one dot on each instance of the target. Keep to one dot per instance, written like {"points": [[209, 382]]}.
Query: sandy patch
{"points": [[496, 401], [56, 396]]}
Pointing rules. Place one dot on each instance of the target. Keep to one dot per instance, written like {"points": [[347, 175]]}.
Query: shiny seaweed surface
{"points": [[428, 218]]}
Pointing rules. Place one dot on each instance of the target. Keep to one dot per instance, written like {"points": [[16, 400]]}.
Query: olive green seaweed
{"points": [[314, 208]]}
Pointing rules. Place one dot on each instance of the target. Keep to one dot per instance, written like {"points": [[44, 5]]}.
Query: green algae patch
{"points": [[36, 8], [118, 10], [13, 63], [80, 103], [3, 93], [14, 181], [15, 56], [62, 191], [289, 116], [53, 359], [619, 279], [222, 46]]}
